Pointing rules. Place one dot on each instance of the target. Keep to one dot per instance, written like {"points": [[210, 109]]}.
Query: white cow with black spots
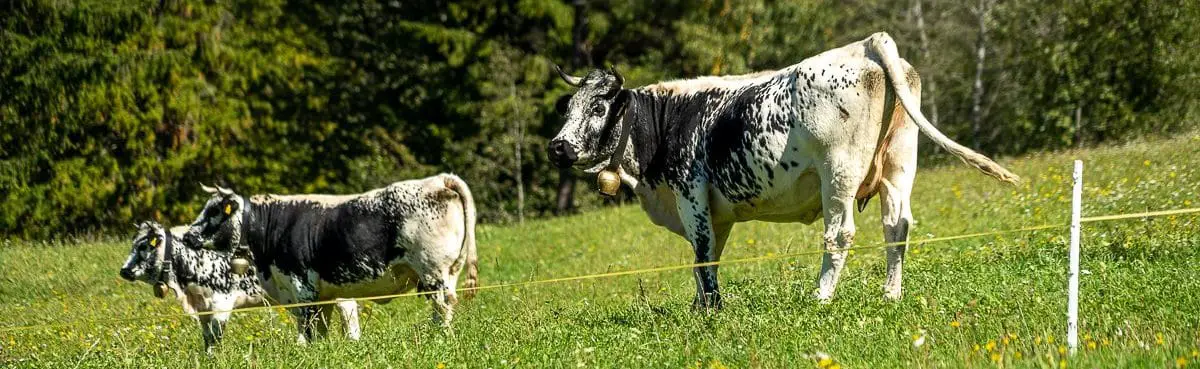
{"points": [[199, 279], [793, 145], [307, 248]]}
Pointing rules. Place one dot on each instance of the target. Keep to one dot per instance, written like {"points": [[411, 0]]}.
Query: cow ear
{"points": [[563, 104], [229, 207]]}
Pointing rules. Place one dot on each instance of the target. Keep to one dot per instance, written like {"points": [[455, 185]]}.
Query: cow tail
{"points": [[885, 47], [467, 254]]}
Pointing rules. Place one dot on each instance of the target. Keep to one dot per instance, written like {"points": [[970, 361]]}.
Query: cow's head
{"points": [[593, 120], [145, 260], [220, 220]]}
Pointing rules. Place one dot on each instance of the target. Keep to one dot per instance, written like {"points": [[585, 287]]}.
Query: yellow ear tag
{"points": [[154, 242], [228, 209]]}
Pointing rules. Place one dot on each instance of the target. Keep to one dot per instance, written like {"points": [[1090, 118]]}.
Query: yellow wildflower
{"points": [[995, 357], [1180, 362], [825, 362], [1062, 350], [1158, 338], [991, 345], [955, 323]]}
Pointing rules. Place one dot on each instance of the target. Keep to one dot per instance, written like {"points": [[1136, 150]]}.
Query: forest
{"points": [[114, 111]]}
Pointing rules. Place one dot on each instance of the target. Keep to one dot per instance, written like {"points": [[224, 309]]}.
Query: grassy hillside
{"points": [[982, 302]]}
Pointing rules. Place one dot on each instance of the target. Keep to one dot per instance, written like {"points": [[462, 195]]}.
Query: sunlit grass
{"points": [[994, 301]]}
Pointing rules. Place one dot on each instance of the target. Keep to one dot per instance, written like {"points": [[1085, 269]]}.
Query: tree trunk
{"points": [[1079, 125], [928, 86], [518, 143], [981, 13], [580, 58]]}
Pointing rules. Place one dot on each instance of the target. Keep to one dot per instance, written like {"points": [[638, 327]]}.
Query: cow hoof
{"points": [[891, 296], [823, 299], [707, 302]]}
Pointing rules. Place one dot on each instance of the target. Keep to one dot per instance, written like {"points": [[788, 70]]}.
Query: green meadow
{"points": [[990, 301]]}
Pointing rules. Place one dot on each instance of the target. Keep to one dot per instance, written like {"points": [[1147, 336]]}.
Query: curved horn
{"points": [[208, 189], [620, 79], [224, 191], [571, 80]]}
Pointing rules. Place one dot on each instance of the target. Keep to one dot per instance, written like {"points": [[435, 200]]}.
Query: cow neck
{"points": [[650, 115], [254, 227], [181, 262], [167, 271]]}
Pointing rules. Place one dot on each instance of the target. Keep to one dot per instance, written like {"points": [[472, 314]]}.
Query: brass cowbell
{"points": [[609, 182], [161, 290], [239, 265]]}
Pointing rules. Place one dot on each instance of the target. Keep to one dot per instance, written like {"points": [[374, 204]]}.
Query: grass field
{"points": [[983, 302]]}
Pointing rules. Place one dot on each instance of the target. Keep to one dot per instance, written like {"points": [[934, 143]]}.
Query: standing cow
{"points": [[783, 146], [199, 279], [411, 234]]}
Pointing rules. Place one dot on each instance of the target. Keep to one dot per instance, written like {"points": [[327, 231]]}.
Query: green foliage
{"points": [[112, 111], [978, 302]]}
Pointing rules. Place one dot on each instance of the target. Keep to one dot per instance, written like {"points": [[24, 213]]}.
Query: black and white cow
{"points": [[411, 234], [791, 145], [199, 279]]}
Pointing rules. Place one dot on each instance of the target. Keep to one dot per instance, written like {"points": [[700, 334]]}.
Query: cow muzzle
{"points": [[562, 154], [127, 274]]}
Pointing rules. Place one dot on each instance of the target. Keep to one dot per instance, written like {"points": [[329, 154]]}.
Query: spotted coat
{"points": [[411, 234], [199, 279], [792, 145]]}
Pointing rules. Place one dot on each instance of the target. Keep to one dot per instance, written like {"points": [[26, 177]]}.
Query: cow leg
{"points": [[440, 297], [304, 291], [304, 318], [897, 216], [899, 170], [349, 312], [838, 202], [692, 205], [207, 331]]}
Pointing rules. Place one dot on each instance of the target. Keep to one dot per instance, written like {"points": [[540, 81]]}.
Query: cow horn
{"points": [[620, 79], [207, 189], [224, 191], [571, 80]]}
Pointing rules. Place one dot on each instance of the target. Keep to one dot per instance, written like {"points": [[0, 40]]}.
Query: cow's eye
{"points": [[598, 109]]}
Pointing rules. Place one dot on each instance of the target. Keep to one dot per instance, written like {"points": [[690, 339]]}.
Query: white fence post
{"points": [[1073, 276]]}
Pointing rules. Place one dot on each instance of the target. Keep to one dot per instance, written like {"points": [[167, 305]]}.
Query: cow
{"points": [[308, 248], [792, 145], [199, 279]]}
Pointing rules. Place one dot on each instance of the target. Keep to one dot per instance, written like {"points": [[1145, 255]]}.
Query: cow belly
{"points": [[797, 201], [400, 278], [659, 205]]}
